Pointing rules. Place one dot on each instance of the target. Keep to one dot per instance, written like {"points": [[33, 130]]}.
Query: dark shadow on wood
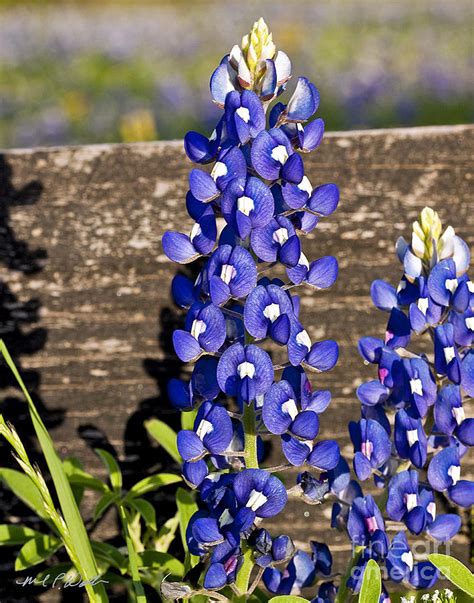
{"points": [[22, 338]]}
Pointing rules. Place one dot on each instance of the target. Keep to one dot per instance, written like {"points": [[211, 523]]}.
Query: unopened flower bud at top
{"points": [[427, 241], [257, 46]]}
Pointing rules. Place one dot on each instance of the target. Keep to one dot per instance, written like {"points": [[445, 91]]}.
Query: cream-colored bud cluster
{"points": [[257, 46], [427, 240]]}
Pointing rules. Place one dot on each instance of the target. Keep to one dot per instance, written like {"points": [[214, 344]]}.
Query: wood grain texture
{"points": [[80, 233]]}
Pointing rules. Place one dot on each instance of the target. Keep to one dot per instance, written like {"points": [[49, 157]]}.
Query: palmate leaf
{"points": [[371, 584], [25, 489], [36, 550], [165, 436], [75, 526], [12, 535], [104, 503], [455, 571]]}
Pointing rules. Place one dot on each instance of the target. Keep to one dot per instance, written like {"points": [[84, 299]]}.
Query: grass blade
{"points": [[78, 534]]}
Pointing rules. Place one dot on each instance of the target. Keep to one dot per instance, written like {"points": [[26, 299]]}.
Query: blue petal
{"points": [[324, 199], [221, 82], [325, 455], [369, 348], [194, 473], [311, 136], [182, 290], [446, 269], [323, 272], [323, 355], [296, 452], [269, 82], [185, 345], [383, 295], [467, 373], [178, 247], [462, 493], [293, 169], [303, 103], [305, 425], [423, 575], [439, 466], [198, 148], [215, 577], [190, 446], [202, 185], [444, 527]]}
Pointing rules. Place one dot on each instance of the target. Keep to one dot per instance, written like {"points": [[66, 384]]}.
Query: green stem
{"points": [[243, 577], [250, 431], [342, 590], [133, 557]]}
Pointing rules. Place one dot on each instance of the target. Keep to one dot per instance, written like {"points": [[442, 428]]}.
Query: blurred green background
{"points": [[78, 72]]}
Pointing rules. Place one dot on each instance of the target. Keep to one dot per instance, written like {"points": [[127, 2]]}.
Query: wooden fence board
{"points": [[85, 301]]}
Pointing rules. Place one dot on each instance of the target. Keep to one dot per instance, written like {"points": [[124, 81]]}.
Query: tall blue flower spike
{"points": [[417, 456], [256, 182]]}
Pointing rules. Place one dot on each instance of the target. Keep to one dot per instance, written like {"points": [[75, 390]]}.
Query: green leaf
{"points": [[188, 418], [166, 534], [186, 509], [104, 503], [25, 489], [145, 509], [163, 562], [36, 550], [75, 526], [112, 467], [165, 436], [110, 554], [153, 482], [78, 477], [11, 535], [288, 599], [455, 571], [69, 464], [371, 583]]}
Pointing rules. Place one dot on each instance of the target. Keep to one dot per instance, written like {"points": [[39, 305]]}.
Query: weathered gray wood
{"points": [[99, 213]]}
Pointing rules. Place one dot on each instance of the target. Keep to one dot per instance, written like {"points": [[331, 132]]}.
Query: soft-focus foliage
{"points": [[97, 72]]}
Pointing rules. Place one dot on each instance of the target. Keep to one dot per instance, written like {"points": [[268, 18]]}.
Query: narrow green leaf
{"points": [[70, 464], [455, 571], [146, 510], [78, 477], [153, 482], [104, 503], [133, 556], [110, 554], [288, 599], [112, 467], [163, 562], [371, 583], [36, 550], [11, 535], [75, 525], [166, 534], [165, 436], [188, 418], [186, 509], [25, 489]]}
